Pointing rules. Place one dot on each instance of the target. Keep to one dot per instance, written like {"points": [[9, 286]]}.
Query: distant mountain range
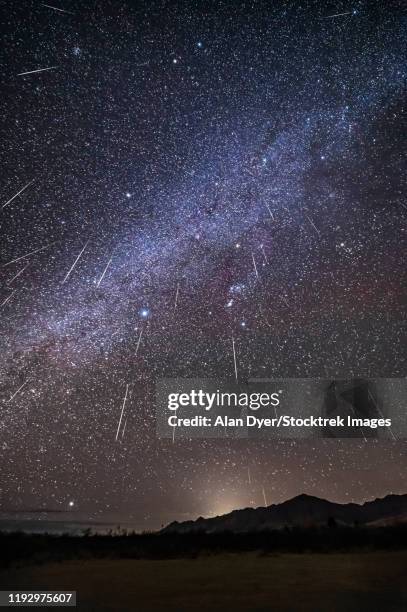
{"points": [[303, 510]]}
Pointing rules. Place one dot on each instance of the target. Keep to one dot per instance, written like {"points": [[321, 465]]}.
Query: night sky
{"points": [[175, 176]]}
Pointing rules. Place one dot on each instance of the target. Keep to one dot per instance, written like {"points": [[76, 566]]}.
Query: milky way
{"points": [[177, 178]]}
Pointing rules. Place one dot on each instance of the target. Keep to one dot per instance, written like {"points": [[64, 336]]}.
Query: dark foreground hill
{"points": [[301, 511], [301, 525]]}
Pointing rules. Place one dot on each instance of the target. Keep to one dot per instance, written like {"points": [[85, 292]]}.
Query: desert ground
{"points": [[351, 582]]}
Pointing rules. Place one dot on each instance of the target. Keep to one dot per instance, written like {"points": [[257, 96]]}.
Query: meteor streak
{"points": [[18, 193], [28, 254], [264, 254], [18, 391], [18, 273], [8, 298], [254, 265], [176, 297], [38, 70], [74, 264], [54, 8], [124, 428], [234, 357], [271, 214], [121, 414], [104, 272], [313, 225], [337, 15], [264, 497], [138, 342]]}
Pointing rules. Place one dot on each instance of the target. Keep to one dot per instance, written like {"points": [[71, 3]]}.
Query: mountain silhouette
{"points": [[301, 511]]}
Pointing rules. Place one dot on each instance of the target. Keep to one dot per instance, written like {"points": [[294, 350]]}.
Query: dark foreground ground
{"points": [[332, 582]]}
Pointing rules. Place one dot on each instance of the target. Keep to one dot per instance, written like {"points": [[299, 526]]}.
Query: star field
{"points": [[177, 175]]}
